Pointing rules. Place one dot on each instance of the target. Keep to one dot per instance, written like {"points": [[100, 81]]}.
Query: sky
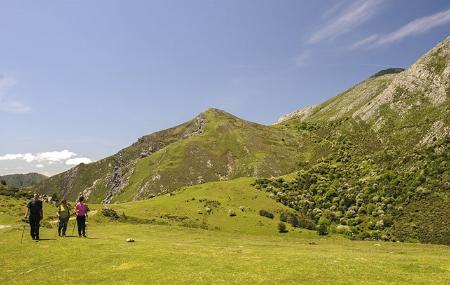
{"points": [[80, 80]]}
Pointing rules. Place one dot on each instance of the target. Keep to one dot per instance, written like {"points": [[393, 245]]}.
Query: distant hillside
{"points": [[388, 71], [23, 180]]}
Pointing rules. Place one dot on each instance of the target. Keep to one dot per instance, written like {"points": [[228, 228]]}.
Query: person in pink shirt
{"points": [[81, 211]]}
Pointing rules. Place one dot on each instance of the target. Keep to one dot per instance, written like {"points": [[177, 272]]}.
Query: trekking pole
{"points": [[23, 230], [73, 229]]}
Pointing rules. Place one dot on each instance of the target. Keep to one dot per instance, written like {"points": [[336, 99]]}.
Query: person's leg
{"points": [[64, 227], [60, 226], [83, 229], [79, 225], [32, 230], [36, 226]]}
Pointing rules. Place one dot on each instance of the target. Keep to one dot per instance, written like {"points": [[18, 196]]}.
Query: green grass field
{"points": [[173, 246]]}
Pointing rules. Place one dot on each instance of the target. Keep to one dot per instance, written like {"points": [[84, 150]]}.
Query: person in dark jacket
{"points": [[34, 215]]}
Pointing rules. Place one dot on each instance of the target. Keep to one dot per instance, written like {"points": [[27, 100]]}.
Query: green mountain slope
{"points": [[404, 110], [214, 146], [387, 174], [23, 180]]}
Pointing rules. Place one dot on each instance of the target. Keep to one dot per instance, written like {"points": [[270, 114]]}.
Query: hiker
{"points": [[63, 217], [81, 211], [34, 215]]}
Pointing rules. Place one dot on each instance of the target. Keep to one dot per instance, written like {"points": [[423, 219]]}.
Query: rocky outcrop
{"points": [[428, 78], [197, 127], [113, 185], [300, 114]]}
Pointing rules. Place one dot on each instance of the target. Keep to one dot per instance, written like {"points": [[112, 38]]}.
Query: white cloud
{"points": [[50, 157], [415, 27], [347, 19], [39, 165], [6, 103], [78, 160], [364, 42]]}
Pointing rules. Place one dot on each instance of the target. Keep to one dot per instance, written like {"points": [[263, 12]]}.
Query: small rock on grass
{"points": [[130, 239]]}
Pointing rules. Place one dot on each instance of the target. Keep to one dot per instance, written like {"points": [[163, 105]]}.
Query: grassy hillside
{"points": [[206, 206], [23, 180], [214, 146], [402, 110]]}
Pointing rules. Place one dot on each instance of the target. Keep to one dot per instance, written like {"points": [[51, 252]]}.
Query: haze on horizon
{"points": [[81, 80]]}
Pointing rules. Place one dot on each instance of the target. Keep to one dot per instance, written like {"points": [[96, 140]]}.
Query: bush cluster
{"points": [[361, 196]]}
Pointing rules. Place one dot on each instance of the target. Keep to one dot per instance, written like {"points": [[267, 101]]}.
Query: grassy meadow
{"points": [[177, 242]]}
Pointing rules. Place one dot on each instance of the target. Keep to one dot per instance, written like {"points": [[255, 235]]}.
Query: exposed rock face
{"points": [[429, 77], [113, 185], [197, 127], [301, 114], [68, 181]]}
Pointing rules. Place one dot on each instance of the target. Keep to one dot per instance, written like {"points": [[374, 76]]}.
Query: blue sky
{"points": [[80, 80]]}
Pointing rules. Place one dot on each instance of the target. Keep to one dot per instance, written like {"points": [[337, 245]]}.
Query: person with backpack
{"points": [[34, 214], [81, 211], [63, 218]]}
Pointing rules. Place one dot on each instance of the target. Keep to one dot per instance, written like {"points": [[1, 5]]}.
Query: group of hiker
{"points": [[34, 214]]}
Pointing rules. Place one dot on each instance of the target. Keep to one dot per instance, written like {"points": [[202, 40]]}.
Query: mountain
{"points": [[214, 146], [23, 180], [388, 176], [371, 163], [406, 109]]}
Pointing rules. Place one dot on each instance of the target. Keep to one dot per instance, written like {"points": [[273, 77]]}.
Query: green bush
{"points": [[266, 214], [306, 223], [282, 227], [322, 228]]}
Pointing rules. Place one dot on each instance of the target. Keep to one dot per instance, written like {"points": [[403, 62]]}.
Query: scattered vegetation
{"points": [[371, 197]]}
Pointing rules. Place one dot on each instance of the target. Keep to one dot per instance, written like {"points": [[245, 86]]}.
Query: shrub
{"points": [[322, 228], [306, 223], [266, 214], [108, 212], [290, 218], [341, 229], [282, 227]]}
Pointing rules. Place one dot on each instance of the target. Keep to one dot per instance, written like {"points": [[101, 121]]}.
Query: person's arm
{"points": [[27, 212], [42, 211]]}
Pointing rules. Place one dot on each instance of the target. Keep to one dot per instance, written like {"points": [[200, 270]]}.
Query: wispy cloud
{"points": [[364, 42], [416, 27], [413, 28], [6, 103], [346, 18], [50, 157]]}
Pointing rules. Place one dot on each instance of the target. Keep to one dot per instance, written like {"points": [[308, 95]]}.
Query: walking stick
{"points": [[73, 229], [23, 230]]}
